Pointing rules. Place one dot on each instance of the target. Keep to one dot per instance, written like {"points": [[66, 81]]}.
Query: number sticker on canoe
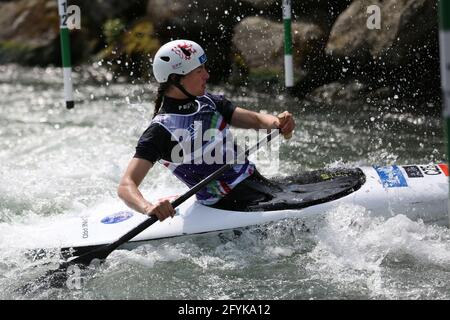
{"points": [[430, 170], [413, 171], [391, 177]]}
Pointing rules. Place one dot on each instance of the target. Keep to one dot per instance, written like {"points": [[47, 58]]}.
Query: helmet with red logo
{"points": [[179, 57]]}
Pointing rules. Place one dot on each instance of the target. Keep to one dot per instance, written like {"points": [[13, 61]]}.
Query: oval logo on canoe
{"points": [[117, 217]]}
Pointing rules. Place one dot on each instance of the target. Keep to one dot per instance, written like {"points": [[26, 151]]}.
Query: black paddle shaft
{"points": [[102, 252], [58, 277]]}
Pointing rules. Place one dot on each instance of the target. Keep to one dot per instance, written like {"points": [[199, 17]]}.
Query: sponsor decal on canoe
{"points": [[84, 227], [430, 170], [117, 217], [444, 168], [413, 171], [391, 177]]}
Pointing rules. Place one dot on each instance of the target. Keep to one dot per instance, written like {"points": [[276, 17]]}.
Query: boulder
{"points": [[262, 4], [402, 55], [399, 34], [260, 42], [29, 30]]}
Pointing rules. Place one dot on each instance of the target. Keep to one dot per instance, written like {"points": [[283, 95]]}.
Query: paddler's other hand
{"points": [[286, 124], [162, 209]]}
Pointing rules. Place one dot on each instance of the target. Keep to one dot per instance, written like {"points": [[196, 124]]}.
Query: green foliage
{"points": [[129, 49], [11, 51], [140, 39], [112, 29]]}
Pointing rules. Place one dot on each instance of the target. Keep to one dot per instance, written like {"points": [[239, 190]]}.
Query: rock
{"points": [[260, 42], [177, 16], [96, 12], [400, 20], [28, 31], [162, 12], [320, 12], [337, 93], [262, 4], [402, 55]]}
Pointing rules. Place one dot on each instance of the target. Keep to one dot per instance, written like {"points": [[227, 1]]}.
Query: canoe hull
{"points": [[418, 192]]}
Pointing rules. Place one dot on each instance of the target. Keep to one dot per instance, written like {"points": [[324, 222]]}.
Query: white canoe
{"points": [[417, 191]]}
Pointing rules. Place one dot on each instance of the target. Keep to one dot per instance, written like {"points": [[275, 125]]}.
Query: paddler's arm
{"points": [[128, 191], [247, 119]]}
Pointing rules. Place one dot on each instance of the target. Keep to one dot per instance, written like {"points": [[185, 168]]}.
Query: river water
{"points": [[57, 163]]}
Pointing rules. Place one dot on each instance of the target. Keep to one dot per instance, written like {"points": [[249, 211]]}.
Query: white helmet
{"points": [[178, 56]]}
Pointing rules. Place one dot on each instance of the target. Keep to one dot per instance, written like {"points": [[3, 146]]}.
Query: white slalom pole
{"points": [[65, 52], [288, 61]]}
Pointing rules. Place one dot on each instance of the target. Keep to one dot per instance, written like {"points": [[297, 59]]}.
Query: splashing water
{"points": [[57, 164]]}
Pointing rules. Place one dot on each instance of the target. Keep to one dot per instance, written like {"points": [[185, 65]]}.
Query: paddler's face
{"points": [[195, 81]]}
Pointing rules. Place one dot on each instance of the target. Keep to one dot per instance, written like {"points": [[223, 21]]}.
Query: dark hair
{"points": [[174, 79], [160, 95]]}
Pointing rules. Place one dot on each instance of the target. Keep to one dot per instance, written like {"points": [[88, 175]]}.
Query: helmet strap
{"points": [[176, 82]]}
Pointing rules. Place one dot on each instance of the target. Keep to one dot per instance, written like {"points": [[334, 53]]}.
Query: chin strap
{"points": [[177, 84]]}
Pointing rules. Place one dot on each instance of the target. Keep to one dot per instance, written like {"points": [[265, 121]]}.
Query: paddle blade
{"points": [[57, 278], [101, 253]]}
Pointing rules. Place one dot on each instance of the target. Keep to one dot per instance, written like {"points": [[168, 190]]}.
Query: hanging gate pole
{"points": [[288, 62], [65, 51]]}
